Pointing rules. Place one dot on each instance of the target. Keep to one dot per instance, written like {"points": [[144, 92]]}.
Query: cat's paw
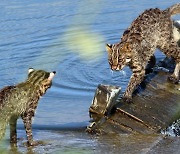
{"points": [[173, 79], [35, 143], [127, 99]]}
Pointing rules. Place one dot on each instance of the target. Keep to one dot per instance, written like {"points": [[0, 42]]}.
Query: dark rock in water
{"points": [[104, 99], [103, 103], [154, 107]]}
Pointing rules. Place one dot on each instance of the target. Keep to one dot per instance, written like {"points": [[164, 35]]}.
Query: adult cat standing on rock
{"points": [[152, 29], [21, 100]]}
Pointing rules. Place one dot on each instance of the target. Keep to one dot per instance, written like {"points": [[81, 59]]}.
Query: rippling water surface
{"points": [[45, 35]]}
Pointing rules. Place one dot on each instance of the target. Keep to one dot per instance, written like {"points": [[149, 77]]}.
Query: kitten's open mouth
{"points": [[116, 69]]}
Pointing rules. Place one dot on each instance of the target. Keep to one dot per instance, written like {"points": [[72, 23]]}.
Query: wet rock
{"points": [[155, 106], [102, 104], [104, 99]]}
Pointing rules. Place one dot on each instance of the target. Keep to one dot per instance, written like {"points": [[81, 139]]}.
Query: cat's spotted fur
{"points": [[152, 29], [21, 100]]}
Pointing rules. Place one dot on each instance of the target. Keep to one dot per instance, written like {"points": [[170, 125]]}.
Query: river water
{"points": [[69, 37]]}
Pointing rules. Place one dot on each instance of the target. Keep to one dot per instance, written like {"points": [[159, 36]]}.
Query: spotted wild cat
{"points": [[150, 30], [21, 100]]}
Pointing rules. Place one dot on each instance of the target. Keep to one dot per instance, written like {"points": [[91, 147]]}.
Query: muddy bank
{"points": [[81, 142]]}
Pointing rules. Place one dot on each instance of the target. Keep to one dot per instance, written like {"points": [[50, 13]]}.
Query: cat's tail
{"points": [[175, 9]]}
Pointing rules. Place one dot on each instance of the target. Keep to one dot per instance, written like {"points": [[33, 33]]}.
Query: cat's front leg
{"points": [[2, 128], [27, 120], [175, 76], [135, 80]]}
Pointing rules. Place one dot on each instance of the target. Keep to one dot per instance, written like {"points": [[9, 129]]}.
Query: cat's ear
{"points": [[51, 75], [109, 48], [30, 70]]}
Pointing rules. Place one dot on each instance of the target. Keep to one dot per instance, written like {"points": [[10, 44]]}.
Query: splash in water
{"points": [[111, 72], [121, 73], [173, 130]]}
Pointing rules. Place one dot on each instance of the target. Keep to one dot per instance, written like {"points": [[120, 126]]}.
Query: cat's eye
{"points": [[120, 60]]}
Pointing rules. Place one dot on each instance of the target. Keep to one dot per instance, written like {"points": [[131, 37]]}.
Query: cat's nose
{"points": [[114, 67]]}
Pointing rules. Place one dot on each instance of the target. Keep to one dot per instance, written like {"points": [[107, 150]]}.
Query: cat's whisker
{"points": [[111, 72], [123, 73]]}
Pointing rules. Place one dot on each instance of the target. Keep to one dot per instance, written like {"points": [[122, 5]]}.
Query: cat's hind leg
{"points": [[171, 49], [175, 76]]}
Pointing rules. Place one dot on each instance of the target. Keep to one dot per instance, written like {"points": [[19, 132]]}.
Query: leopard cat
{"points": [[21, 100], [150, 30]]}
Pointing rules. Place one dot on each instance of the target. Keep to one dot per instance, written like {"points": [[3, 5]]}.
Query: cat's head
{"points": [[119, 55], [40, 79]]}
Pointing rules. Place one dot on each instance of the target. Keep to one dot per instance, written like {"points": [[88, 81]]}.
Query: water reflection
{"points": [[79, 36]]}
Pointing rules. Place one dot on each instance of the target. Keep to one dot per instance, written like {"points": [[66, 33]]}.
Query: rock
{"points": [[104, 99], [103, 103], [156, 104]]}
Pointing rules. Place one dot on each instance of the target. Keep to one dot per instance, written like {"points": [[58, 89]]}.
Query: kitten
{"points": [[21, 100], [152, 29]]}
